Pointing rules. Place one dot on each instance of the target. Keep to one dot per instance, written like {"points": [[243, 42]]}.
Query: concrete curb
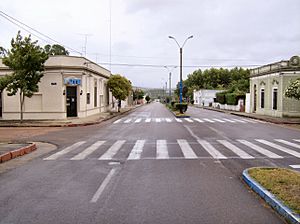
{"points": [[277, 205], [18, 152]]}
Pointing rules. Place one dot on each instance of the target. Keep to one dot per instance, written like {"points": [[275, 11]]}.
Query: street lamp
{"points": [[180, 48], [170, 74]]}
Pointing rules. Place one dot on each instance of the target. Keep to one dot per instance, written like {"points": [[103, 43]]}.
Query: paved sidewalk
{"points": [[275, 120], [69, 122]]}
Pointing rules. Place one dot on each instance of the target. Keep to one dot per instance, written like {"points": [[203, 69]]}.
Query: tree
{"points": [[120, 88], [55, 49], [4, 81], [147, 98], [26, 59], [293, 90]]}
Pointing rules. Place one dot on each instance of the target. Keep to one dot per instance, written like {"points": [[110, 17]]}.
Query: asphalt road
{"points": [[148, 167]]}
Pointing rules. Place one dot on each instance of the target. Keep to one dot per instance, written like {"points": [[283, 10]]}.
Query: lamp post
{"points": [[170, 74], [180, 51]]}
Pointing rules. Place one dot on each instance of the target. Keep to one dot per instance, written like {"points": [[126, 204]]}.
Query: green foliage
{"points": [[293, 90], [220, 97], [231, 99], [55, 49], [119, 86], [147, 98], [236, 79], [182, 107], [26, 59], [138, 94], [4, 81]]}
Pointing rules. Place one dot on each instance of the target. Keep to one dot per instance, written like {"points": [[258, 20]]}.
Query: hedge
{"points": [[229, 98]]}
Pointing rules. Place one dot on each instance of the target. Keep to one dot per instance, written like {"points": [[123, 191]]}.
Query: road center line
{"points": [[103, 185]]}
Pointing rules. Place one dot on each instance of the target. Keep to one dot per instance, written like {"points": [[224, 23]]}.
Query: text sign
{"points": [[73, 82]]}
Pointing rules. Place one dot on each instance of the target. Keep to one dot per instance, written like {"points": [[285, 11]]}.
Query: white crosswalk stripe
{"points": [[211, 150], [215, 119], [127, 121], [65, 151], [250, 150], [260, 149], [288, 143], [137, 150], [231, 121], [162, 149], [206, 119], [186, 149], [188, 120], [236, 150], [88, 151], [281, 148], [112, 150], [117, 121], [199, 120], [178, 120], [138, 120], [297, 140]]}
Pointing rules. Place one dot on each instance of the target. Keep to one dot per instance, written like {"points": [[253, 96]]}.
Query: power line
{"points": [[10, 18], [185, 66]]}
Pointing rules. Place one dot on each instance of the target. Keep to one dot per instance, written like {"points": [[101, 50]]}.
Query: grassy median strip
{"points": [[283, 183]]}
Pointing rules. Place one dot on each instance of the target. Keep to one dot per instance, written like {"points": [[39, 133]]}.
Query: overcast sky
{"points": [[226, 32]]}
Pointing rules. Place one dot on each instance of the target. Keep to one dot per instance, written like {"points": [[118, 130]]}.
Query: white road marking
{"points": [[109, 154], [235, 149], [158, 120], [186, 149], [238, 120], [260, 149], [199, 120], [178, 120], [281, 148], [137, 150], [117, 121], [231, 121], [64, 151], [103, 186], [188, 120], [168, 120], [211, 150], [297, 140], [208, 120], [215, 119], [250, 121], [88, 151], [128, 120], [138, 120], [162, 149], [288, 143], [148, 120], [295, 166]]}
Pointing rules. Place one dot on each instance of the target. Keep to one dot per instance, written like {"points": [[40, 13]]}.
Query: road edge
{"points": [[18, 152], [270, 199]]}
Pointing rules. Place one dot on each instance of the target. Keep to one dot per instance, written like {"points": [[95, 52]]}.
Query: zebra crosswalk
{"points": [[186, 120], [164, 149]]}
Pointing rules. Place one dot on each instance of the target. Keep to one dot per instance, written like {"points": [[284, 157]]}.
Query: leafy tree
{"points": [[138, 94], [26, 59], [120, 88], [147, 98], [4, 81], [293, 90], [55, 49]]}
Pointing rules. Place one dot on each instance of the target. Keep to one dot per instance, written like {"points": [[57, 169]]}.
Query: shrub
{"points": [[182, 107], [220, 97]]}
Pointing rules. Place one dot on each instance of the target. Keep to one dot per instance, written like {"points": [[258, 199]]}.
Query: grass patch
{"points": [[283, 183]]}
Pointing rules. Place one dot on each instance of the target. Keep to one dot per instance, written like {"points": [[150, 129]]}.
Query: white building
{"points": [[205, 97], [71, 87]]}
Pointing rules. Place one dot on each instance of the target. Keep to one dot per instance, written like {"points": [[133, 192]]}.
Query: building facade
{"points": [[205, 97], [267, 86], [71, 87]]}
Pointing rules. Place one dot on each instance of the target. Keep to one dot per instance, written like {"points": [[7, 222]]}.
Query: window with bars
{"points": [[262, 98]]}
